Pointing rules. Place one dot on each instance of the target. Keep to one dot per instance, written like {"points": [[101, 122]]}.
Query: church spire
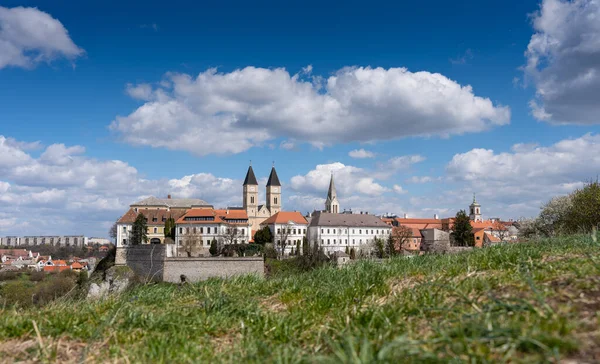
{"points": [[273, 179], [250, 177], [331, 204]]}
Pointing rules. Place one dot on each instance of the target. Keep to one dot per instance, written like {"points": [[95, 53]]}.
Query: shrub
{"points": [[37, 276], [10, 275], [18, 293], [58, 286], [214, 248]]}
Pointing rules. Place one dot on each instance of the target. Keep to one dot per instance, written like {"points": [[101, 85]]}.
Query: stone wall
{"points": [[435, 241], [198, 269], [147, 261]]}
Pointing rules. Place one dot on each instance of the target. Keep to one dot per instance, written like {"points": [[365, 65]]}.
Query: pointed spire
{"points": [[474, 201], [273, 179], [250, 177], [331, 194]]}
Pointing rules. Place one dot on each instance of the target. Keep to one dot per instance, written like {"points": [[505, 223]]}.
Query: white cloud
{"points": [[287, 145], [142, 91], [417, 179], [563, 61], [398, 189], [221, 113], [361, 153], [528, 176], [29, 36]]}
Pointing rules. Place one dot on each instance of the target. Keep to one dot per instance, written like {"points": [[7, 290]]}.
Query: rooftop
{"points": [[350, 220], [171, 202]]}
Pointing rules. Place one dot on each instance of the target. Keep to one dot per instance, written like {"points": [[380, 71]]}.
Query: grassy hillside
{"points": [[521, 302]]}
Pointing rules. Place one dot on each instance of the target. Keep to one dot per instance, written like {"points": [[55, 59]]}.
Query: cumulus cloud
{"points": [[529, 175], [141, 91], [29, 36], [398, 189], [563, 62], [221, 113], [419, 179], [65, 192], [361, 153]]}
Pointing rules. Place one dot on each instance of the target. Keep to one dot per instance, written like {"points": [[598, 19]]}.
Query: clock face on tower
{"points": [[252, 188], [275, 189]]}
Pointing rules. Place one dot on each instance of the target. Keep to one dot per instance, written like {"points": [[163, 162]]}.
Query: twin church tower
{"points": [[259, 213]]}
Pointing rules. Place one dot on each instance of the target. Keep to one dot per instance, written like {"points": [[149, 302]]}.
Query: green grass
{"points": [[520, 303]]}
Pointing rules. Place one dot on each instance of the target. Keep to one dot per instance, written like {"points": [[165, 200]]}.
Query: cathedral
{"points": [[259, 213]]}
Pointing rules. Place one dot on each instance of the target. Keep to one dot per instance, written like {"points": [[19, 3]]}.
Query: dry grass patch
{"points": [[49, 350], [273, 304]]}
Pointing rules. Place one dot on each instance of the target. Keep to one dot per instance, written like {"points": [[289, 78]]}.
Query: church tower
{"points": [[250, 193], [475, 210], [332, 205], [273, 193]]}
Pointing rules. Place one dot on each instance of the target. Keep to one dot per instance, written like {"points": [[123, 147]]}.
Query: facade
{"points": [[156, 211], [258, 213], [54, 240], [288, 230], [335, 232], [229, 226], [332, 204]]}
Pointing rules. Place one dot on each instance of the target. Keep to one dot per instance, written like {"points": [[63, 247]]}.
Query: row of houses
{"points": [[14, 259]]}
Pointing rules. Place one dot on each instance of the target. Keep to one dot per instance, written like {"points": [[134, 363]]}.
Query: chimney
{"points": [[227, 212], [435, 216], [406, 216], [169, 197]]}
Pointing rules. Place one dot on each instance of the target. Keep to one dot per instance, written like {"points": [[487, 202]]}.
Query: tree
{"points": [[232, 235], [263, 236], [139, 230], [112, 232], [191, 243], [352, 253], [170, 228], [501, 230], [463, 231], [379, 248], [298, 247], [584, 213], [305, 246], [347, 250], [214, 248], [554, 215], [400, 236], [282, 236]]}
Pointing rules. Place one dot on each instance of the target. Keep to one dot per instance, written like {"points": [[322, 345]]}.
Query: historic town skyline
{"points": [[411, 114]]}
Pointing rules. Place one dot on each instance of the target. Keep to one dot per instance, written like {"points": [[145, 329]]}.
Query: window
{"points": [[360, 231], [155, 230], [275, 200], [371, 231], [187, 230], [194, 230], [154, 219], [345, 231], [243, 231], [124, 241], [360, 241], [305, 231], [279, 231], [251, 199], [201, 230], [181, 230], [334, 241], [327, 241], [327, 231], [208, 230], [334, 231], [377, 232], [124, 228], [294, 232], [322, 241], [321, 231], [346, 242]]}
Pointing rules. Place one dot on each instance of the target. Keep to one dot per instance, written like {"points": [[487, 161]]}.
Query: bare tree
{"points": [[501, 230], [112, 232], [401, 236], [232, 235], [191, 243], [281, 238]]}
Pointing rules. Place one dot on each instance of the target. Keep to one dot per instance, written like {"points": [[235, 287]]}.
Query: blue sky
{"points": [[437, 94]]}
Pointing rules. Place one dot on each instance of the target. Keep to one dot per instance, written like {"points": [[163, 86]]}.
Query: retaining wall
{"points": [[198, 269], [147, 261]]}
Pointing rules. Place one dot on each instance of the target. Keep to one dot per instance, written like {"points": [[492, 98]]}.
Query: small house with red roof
{"points": [[288, 229]]}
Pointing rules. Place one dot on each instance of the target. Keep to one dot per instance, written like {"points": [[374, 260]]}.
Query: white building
{"points": [[53, 240], [99, 241], [335, 232], [229, 226], [288, 230]]}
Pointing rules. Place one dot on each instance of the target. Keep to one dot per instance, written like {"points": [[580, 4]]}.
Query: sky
{"points": [[412, 106]]}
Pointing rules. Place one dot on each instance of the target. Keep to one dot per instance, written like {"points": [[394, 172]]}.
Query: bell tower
{"points": [[273, 193], [475, 210], [250, 193], [331, 204]]}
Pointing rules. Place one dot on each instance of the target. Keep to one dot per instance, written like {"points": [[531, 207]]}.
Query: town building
{"points": [[288, 230], [335, 232], [156, 211], [475, 210], [65, 240]]}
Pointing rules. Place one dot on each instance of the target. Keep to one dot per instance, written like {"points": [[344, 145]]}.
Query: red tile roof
{"points": [[220, 216], [491, 238], [152, 214], [15, 252], [76, 265], [283, 217]]}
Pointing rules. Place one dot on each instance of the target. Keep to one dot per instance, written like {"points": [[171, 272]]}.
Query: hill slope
{"points": [[520, 302]]}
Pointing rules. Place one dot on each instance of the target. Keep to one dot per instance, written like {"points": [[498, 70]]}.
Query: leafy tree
{"points": [[298, 247], [305, 247], [463, 231], [214, 248], [139, 230], [170, 228], [554, 215], [390, 246], [347, 250], [379, 248], [263, 236], [584, 212]]}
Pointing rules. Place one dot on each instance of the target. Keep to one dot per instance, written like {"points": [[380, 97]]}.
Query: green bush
{"points": [[10, 275], [55, 287], [18, 293], [37, 276]]}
